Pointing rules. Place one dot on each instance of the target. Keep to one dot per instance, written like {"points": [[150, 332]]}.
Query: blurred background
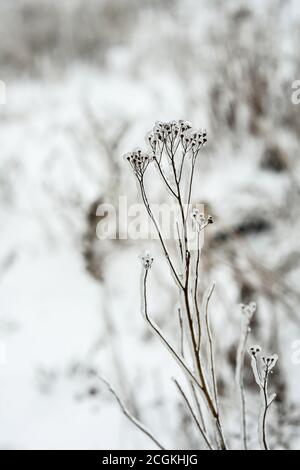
{"points": [[85, 80]]}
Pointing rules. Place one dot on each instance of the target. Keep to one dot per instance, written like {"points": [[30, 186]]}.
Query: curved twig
{"points": [[128, 415]]}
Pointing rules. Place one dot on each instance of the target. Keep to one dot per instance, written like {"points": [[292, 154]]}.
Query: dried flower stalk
{"points": [[262, 368], [174, 145]]}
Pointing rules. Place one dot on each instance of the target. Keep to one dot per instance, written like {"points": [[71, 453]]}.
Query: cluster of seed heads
{"points": [[167, 133], [194, 141], [270, 362], [138, 161], [171, 134], [248, 310], [200, 220], [262, 367], [147, 261]]}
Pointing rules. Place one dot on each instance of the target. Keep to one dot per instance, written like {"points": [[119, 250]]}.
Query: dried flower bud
{"points": [[184, 125], [270, 362], [200, 220], [249, 310], [152, 140]]}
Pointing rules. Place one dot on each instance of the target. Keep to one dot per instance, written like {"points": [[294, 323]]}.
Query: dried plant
{"points": [[262, 368], [247, 314], [174, 149], [131, 418]]}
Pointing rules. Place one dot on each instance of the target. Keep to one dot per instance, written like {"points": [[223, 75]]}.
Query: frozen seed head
{"points": [[165, 131], [249, 310], [192, 140], [147, 261], [197, 215], [199, 138], [138, 161], [173, 131], [254, 351]]}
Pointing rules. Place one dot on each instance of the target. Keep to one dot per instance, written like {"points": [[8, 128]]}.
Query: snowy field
{"points": [[70, 303]]}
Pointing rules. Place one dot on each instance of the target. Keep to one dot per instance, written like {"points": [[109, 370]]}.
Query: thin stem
{"points": [[196, 301], [240, 377], [189, 406], [158, 166], [184, 285], [198, 405], [265, 411], [208, 399], [181, 348], [191, 184], [211, 352], [156, 330], [185, 289]]}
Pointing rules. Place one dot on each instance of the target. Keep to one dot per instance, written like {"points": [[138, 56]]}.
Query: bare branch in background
{"points": [[131, 418]]}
